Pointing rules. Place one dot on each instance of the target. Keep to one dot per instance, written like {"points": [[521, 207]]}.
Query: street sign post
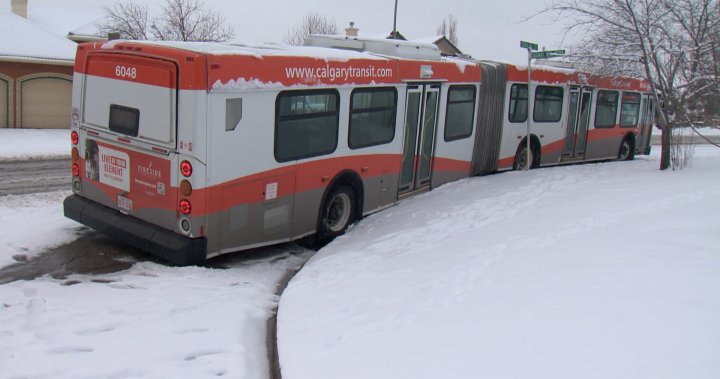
{"points": [[528, 45], [533, 54]]}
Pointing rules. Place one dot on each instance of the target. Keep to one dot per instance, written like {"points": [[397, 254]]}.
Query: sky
{"points": [[604, 270], [486, 29]]}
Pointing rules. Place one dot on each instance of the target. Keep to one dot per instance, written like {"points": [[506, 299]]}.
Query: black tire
{"points": [[520, 156], [337, 212], [626, 152]]}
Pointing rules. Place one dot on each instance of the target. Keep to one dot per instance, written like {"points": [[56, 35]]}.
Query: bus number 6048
{"points": [[126, 72]]}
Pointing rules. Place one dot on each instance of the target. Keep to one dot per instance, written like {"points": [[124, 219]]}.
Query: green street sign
{"points": [[528, 45], [547, 54]]}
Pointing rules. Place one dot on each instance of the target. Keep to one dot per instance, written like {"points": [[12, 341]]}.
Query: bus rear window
{"points": [[124, 120]]}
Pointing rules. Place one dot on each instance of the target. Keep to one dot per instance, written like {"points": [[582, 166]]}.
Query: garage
{"points": [[45, 103]]}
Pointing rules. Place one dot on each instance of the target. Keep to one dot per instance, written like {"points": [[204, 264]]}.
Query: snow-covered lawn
{"points": [[607, 270]]}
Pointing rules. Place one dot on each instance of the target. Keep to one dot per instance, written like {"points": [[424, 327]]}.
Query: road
{"points": [[19, 177]]}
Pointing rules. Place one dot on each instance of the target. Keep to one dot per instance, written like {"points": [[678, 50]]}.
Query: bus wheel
{"points": [[338, 212], [626, 152], [521, 157]]}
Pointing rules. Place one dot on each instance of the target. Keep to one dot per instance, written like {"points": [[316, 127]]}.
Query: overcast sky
{"points": [[487, 29]]}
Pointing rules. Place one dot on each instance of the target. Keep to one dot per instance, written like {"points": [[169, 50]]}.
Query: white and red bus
{"points": [[191, 150]]}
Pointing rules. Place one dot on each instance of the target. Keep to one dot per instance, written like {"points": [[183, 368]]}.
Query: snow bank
{"points": [[592, 271]]}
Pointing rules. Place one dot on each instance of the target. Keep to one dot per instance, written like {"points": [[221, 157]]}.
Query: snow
{"points": [[603, 270], [34, 143], [24, 39], [150, 321], [593, 271]]}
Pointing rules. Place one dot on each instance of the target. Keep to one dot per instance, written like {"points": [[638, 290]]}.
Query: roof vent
{"points": [[352, 31]]}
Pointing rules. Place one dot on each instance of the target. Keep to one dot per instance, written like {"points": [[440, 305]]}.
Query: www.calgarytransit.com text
{"points": [[338, 73]]}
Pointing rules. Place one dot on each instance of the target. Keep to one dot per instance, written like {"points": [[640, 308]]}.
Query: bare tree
{"points": [[188, 20], [128, 19], [312, 23], [448, 28], [666, 41], [180, 20]]}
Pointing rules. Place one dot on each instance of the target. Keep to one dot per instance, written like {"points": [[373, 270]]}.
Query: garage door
{"points": [[45, 103], [4, 105]]}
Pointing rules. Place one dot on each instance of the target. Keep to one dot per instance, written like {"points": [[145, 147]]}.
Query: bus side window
{"points": [[372, 117], [233, 113], [606, 109], [460, 112], [518, 103], [306, 123], [548, 104], [630, 109]]}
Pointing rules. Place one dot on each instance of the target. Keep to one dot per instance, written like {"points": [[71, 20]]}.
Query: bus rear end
{"points": [[133, 173]]}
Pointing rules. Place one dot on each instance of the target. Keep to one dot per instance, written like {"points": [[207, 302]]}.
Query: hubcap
{"points": [[338, 213]]}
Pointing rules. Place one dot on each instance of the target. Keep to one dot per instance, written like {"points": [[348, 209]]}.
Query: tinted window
{"points": [[460, 112], [630, 109], [606, 109], [548, 104], [372, 117], [306, 124], [124, 120], [518, 103]]}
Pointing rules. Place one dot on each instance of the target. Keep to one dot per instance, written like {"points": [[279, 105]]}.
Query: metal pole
{"points": [[394, 31], [528, 159]]}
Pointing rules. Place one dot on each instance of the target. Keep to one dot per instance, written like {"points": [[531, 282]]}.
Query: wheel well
{"points": [[534, 145], [351, 179]]}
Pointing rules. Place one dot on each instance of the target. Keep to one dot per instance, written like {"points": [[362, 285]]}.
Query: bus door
{"points": [[421, 110], [646, 121], [577, 123]]}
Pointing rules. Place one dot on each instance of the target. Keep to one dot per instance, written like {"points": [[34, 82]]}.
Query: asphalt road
{"points": [[19, 177]]}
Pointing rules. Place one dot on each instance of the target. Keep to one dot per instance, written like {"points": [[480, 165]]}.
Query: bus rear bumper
{"points": [[157, 241]]}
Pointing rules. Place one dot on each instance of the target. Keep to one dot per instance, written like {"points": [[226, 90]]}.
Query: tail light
{"points": [[185, 207], [75, 169], [186, 168], [74, 137]]}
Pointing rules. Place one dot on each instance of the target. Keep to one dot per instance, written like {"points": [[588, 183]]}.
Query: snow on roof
{"points": [[256, 50], [25, 40]]}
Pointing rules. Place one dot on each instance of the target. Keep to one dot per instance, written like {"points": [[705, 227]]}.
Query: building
{"points": [[36, 68]]}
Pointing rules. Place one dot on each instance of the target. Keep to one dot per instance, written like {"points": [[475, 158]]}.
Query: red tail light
{"points": [[74, 137], [186, 168], [75, 169], [185, 207]]}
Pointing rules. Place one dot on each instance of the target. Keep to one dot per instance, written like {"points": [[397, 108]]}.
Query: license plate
{"points": [[124, 204]]}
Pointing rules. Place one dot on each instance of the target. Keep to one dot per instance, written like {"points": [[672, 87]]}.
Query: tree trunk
{"points": [[665, 152]]}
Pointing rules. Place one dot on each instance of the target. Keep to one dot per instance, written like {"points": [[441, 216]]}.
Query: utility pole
{"points": [[394, 31]]}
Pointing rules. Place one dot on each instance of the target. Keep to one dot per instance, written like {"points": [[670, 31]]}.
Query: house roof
{"points": [[25, 41]]}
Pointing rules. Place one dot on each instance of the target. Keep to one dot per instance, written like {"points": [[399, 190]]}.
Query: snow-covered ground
{"points": [[151, 321], [607, 270], [34, 143]]}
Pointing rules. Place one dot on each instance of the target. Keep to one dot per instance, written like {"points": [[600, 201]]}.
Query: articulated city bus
{"points": [[192, 150]]}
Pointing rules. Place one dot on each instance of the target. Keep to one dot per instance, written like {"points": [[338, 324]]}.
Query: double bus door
{"points": [[578, 121], [421, 109]]}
